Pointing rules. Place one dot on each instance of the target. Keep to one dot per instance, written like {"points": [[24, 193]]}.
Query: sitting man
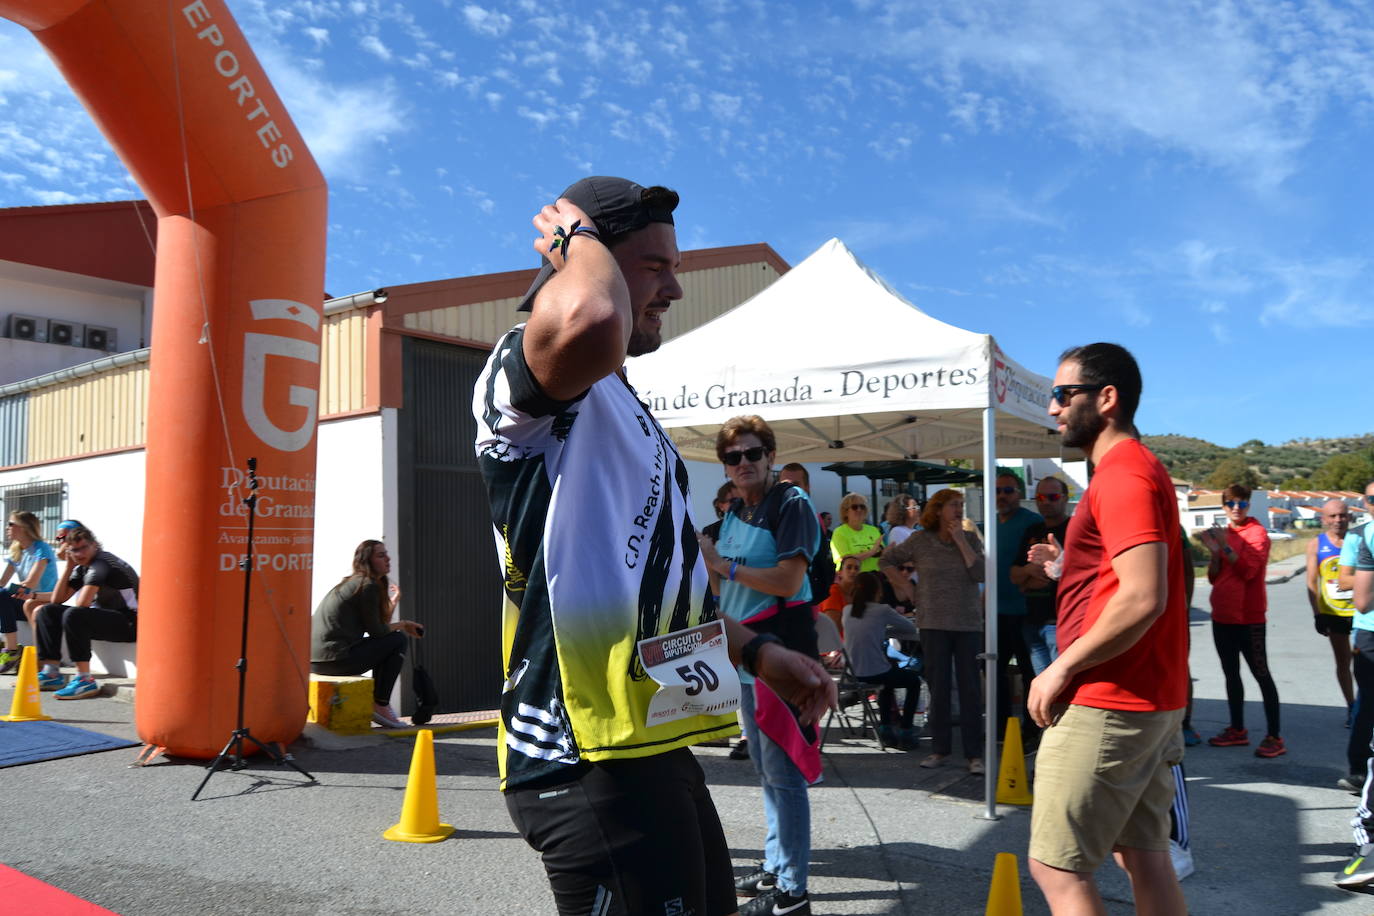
{"points": [[96, 598]]}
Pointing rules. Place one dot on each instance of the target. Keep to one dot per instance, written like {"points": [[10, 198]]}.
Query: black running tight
{"points": [[1235, 641]]}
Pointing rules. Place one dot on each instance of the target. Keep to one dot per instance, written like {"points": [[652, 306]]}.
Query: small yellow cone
{"points": [[1004, 896], [26, 706], [1013, 786], [420, 810]]}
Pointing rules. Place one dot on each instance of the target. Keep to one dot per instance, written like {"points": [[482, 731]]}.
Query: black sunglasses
{"points": [[746, 454], [1007, 491], [908, 568], [1369, 498], [1238, 504], [1062, 394]]}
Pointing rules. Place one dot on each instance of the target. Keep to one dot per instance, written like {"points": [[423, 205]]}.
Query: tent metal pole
{"points": [[990, 755]]}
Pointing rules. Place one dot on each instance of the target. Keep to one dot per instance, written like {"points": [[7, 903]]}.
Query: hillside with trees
{"points": [[1302, 464]]}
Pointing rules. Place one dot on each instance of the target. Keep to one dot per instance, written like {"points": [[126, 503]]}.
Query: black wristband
{"points": [[750, 653]]}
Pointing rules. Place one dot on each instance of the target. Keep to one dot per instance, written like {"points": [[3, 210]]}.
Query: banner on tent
{"points": [[953, 381]]}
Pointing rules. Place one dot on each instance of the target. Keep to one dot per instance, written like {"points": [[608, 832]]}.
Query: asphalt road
{"points": [[888, 837]]}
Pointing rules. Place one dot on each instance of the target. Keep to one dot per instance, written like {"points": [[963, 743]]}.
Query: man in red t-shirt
{"points": [[1112, 703]]}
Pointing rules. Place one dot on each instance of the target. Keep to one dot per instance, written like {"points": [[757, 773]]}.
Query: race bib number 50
{"points": [[692, 668]]}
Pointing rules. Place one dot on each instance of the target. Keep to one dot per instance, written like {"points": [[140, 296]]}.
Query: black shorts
{"points": [[1335, 623], [628, 837]]}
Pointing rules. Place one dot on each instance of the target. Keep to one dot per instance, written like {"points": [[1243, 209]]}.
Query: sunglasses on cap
{"points": [[746, 454], [1050, 497], [1007, 491], [1237, 504], [1063, 394]]}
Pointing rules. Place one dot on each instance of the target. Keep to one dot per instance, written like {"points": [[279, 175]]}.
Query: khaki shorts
{"points": [[1102, 780]]}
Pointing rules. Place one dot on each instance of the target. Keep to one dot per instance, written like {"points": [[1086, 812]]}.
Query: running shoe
{"points": [[1354, 783], [9, 659], [740, 751], [758, 881], [975, 766], [1191, 738], [1230, 737], [777, 903], [79, 688], [1359, 871], [1271, 747], [1182, 860], [933, 761], [385, 716], [51, 681]]}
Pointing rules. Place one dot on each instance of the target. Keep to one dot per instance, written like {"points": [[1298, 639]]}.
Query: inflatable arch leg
{"points": [[235, 363]]}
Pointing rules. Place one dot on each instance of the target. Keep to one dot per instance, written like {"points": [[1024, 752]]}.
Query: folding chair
{"points": [[849, 689]]}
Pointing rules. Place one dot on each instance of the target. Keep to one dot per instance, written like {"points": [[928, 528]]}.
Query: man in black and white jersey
{"points": [[590, 511]]}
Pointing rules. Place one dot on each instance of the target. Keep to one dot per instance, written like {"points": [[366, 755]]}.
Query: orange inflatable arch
{"points": [[235, 367]]}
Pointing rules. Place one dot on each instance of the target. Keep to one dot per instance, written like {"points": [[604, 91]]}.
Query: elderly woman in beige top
{"points": [[949, 611]]}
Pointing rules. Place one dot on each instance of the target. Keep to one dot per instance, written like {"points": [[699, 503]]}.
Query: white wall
{"points": [[349, 497], [44, 293], [105, 492]]}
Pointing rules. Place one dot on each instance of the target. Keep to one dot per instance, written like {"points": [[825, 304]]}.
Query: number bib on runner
{"points": [[692, 668]]}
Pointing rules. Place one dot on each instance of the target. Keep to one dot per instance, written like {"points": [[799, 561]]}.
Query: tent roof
{"points": [[844, 368]]}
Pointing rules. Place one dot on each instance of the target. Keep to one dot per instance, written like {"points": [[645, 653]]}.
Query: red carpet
{"points": [[29, 895]]}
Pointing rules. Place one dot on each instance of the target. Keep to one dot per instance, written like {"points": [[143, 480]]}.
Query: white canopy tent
{"points": [[844, 368]]}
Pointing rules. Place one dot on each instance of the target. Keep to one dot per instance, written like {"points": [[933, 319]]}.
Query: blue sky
{"points": [[1189, 179]]}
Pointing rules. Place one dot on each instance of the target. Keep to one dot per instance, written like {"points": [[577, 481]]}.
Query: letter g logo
{"points": [[256, 350]]}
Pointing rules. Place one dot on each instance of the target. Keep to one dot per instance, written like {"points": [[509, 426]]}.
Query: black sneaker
{"points": [[741, 750], [758, 881], [777, 903], [1358, 872]]}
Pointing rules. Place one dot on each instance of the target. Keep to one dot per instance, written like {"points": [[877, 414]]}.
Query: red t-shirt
{"points": [[1238, 592], [1130, 502]]}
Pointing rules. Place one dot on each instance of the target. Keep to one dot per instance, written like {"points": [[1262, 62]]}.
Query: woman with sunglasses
{"points": [[854, 536], [949, 610], [1240, 604], [34, 564], [767, 539]]}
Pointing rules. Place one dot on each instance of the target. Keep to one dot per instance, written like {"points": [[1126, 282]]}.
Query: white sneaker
{"points": [[1182, 859], [385, 716]]}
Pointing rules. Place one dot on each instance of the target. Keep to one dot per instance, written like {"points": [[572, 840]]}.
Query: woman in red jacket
{"points": [[1240, 553]]}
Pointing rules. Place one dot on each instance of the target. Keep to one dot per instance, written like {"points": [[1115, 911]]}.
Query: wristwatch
{"points": [[749, 655]]}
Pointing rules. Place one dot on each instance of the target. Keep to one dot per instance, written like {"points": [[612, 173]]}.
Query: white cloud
{"points": [[724, 107], [486, 22], [342, 124], [374, 46], [318, 35], [1238, 87], [52, 198]]}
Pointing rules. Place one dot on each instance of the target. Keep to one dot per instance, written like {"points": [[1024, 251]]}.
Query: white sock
{"points": [[50, 670]]}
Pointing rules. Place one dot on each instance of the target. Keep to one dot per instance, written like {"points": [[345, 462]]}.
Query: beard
{"points": [[642, 342], [1084, 426]]}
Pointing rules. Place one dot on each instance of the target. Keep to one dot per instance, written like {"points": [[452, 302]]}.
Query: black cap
{"points": [[618, 207]]}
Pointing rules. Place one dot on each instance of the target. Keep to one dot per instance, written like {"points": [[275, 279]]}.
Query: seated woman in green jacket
{"points": [[352, 630]]}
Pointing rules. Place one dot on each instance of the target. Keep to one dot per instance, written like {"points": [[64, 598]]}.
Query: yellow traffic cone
{"points": [[26, 706], [1013, 786], [420, 810], [1004, 896]]}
